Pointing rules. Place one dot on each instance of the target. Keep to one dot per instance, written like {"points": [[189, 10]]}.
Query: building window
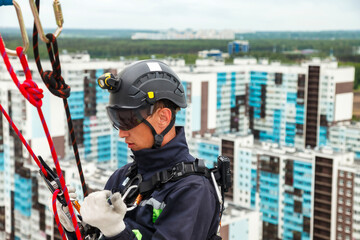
{"points": [[341, 182], [348, 211], [348, 193]]}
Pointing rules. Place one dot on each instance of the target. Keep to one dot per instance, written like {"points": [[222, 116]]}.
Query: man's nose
{"points": [[123, 133]]}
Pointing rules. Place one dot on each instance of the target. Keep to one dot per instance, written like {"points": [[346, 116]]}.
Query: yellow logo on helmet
{"points": [[151, 95]]}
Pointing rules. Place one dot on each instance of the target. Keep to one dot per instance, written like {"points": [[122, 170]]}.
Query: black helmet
{"points": [[144, 82], [136, 89]]}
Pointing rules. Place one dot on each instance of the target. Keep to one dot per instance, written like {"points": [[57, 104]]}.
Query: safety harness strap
{"points": [[180, 170], [177, 172]]}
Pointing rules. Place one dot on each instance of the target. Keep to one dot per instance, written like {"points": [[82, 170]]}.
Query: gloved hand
{"points": [[63, 212], [97, 212]]}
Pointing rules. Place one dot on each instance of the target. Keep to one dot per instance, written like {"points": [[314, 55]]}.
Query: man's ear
{"points": [[164, 115]]}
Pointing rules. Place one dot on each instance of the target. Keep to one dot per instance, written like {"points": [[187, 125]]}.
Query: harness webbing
{"points": [[33, 94], [57, 86]]}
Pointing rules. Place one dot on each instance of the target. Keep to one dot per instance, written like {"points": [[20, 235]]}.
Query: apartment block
{"points": [[238, 47], [238, 223], [345, 137], [291, 105], [296, 191], [348, 211]]}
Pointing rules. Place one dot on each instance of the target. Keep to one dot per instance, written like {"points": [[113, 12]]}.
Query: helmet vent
{"points": [[154, 75]]}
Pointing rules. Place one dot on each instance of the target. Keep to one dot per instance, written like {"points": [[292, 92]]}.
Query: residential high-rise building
{"points": [[238, 46], [296, 191], [345, 137], [295, 106], [291, 105], [348, 200]]}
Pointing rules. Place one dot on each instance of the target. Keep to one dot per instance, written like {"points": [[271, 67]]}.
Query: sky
{"points": [[249, 15]]}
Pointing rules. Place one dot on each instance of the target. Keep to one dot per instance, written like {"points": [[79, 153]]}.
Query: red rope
{"points": [[61, 230], [34, 99], [33, 94], [24, 141]]}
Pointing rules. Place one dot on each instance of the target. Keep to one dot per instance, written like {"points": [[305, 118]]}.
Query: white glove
{"points": [[97, 212], [63, 212]]}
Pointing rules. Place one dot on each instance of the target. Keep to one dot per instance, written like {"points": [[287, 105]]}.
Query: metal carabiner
{"points": [[24, 35], [123, 197], [58, 17], [135, 203]]}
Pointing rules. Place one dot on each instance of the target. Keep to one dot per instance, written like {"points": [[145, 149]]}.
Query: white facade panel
{"points": [[343, 106]]}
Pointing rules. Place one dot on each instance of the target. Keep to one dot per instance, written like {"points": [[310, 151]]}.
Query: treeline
{"points": [[283, 50], [324, 35], [115, 47], [127, 33]]}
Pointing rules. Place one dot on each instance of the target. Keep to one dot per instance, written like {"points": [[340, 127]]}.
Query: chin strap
{"points": [[158, 138]]}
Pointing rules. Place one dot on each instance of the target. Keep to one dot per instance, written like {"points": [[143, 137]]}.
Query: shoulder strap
{"points": [[180, 170]]}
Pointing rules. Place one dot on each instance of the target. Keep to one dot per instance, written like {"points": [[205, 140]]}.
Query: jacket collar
{"points": [[151, 160]]}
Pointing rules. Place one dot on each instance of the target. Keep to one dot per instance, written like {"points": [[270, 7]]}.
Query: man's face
{"points": [[139, 137]]}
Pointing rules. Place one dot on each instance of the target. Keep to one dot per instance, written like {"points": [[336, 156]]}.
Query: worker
{"points": [[143, 102]]}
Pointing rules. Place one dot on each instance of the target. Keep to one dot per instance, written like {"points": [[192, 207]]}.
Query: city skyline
{"points": [[287, 190], [260, 15]]}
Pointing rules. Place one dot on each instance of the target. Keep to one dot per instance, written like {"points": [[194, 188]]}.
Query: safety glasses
{"points": [[126, 119]]}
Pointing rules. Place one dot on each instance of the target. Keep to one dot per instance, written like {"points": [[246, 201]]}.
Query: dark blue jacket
{"points": [[185, 209]]}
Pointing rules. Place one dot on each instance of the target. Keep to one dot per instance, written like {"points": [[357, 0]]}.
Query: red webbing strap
{"points": [[33, 94]]}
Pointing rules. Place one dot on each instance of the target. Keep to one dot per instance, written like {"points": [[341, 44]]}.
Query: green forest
{"points": [[262, 45]]}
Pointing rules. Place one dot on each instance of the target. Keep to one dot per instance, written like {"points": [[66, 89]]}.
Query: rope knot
{"points": [[56, 84], [32, 92]]}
